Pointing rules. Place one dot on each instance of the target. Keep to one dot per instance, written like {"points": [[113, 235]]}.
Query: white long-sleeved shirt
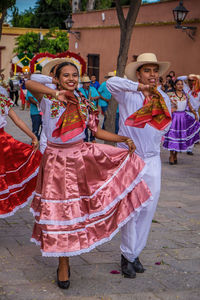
{"points": [[147, 139], [47, 81]]}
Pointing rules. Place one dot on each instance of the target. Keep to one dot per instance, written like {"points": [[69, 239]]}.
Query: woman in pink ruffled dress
{"points": [[85, 192]]}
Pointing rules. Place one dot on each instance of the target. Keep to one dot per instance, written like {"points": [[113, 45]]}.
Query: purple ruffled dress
{"points": [[184, 130]]}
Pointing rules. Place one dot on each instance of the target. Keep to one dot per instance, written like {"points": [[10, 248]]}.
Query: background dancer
{"points": [[18, 162], [184, 130], [191, 86]]}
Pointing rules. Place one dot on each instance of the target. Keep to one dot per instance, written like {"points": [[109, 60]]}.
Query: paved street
{"points": [[172, 255]]}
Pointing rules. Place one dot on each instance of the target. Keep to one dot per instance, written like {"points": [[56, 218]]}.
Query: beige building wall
{"points": [[154, 32], [8, 41], [7, 44]]}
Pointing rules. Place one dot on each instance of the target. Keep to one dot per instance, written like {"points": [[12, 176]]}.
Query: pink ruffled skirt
{"points": [[85, 193]]}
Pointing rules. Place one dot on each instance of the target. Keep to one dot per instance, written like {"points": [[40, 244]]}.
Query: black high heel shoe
{"points": [[63, 284]]}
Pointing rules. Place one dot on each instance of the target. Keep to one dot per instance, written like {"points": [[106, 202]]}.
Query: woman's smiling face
{"points": [[68, 78]]}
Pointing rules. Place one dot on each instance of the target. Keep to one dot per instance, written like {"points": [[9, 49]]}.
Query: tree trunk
{"points": [[126, 29], [3, 14], [90, 4], [76, 6]]}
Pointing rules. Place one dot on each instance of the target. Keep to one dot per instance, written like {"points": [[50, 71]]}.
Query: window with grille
{"points": [[93, 65]]}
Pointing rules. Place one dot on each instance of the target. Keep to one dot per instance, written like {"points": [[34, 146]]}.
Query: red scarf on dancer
{"points": [[72, 121], [154, 112]]}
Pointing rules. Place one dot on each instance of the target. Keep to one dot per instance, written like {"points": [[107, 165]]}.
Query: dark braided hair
{"points": [[60, 66]]}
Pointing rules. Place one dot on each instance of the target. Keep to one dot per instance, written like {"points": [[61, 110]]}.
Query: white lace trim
{"points": [[95, 193], [99, 213], [14, 186], [182, 140], [18, 207], [104, 240], [177, 140], [185, 150], [33, 212], [20, 166], [79, 230], [184, 129], [38, 243]]}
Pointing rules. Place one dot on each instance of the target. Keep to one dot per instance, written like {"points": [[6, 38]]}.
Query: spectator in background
{"points": [[94, 83], [35, 114], [3, 82], [90, 93], [161, 83], [169, 85], [14, 86], [23, 90], [105, 96], [173, 76]]}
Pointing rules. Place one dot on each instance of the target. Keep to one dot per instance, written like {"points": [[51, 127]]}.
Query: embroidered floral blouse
{"points": [[52, 109], [5, 105], [178, 104]]}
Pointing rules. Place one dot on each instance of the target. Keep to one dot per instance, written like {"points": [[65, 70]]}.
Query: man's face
{"points": [[190, 83], [93, 78], [86, 85], [148, 74]]}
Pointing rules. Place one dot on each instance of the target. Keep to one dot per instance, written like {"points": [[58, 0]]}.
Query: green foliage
{"points": [[24, 19], [50, 14], [103, 4], [45, 14], [55, 41], [5, 4]]}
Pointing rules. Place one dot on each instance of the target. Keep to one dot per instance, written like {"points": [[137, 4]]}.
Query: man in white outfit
{"points": [[130, 94]]}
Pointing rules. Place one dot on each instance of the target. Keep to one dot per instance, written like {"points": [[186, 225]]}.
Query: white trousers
{"points": [[135, 233]]}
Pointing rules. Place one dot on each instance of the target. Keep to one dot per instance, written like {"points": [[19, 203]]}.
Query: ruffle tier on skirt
{"points": [[85, 193], [183, 133], [19, 166]]}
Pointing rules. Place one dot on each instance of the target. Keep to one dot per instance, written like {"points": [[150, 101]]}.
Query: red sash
{"points": [[72, 121], [154, 112]]}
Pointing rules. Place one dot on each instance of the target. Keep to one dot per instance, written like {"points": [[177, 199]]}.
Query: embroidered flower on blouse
{"points": [[5, 102], [55, 106]]}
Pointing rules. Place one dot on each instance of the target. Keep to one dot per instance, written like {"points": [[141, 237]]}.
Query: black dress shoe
{"points": [[63, 284], [127, 268], [190, 153], [138, 266]]}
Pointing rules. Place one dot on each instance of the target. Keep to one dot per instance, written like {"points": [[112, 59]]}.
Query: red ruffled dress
{"points": [[85, 191], [19, 166]]}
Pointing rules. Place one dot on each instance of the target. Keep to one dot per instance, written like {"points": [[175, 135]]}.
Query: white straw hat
{"points": [[143, 59], [110, 74], [54, 62], [85, 79]]}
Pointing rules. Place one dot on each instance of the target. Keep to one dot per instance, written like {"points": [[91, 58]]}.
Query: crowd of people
{"points": [[86, 191]]}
